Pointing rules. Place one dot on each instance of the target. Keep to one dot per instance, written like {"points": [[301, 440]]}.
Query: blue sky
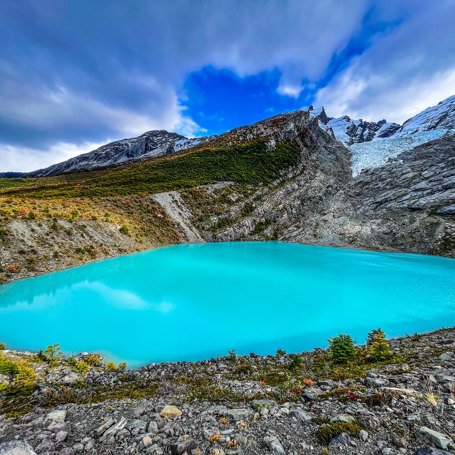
{"points": [[75, 74]]}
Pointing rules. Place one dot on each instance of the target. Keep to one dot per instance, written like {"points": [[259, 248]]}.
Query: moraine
{"points": [[191, 302]]}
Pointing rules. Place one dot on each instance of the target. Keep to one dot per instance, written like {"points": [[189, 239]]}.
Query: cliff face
{"points": [[404, 205]]}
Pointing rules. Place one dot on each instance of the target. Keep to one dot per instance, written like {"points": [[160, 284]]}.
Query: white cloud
{"points": [[24, 159], [400, 74]]}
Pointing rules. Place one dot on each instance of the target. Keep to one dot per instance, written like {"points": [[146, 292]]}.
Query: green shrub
{"points": [[342, 348], [378, 348], [124, 230], [52, 354], [110, 366], [8, 366], [2, 346], [296, 362], [80, 367], [25, 380], [327, 432], [280, 353]]}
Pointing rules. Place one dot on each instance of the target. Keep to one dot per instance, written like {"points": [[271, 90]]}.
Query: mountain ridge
{"points": [[155, 143]]}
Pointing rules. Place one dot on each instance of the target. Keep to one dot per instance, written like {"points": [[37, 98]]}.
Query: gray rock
{"points": [[152, 427], [430, 451], [57, 415], [114, 429], [16, 448], [363, 435], [182, 447], [239, 414], [107, 424], [274, 444], [61, 436], [300, 416], [67, 451], [438, 439], [45, 446], [342, 439], [343, 418]]}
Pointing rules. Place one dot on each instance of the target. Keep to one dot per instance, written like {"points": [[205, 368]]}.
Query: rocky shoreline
{"points": [[281, 404]]}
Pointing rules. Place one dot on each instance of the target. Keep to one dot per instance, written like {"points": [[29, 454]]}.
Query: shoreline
{"points": [[260, 402], [37, 274]]}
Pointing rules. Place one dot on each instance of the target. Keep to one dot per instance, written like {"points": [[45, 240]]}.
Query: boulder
{"points": [[438, 439], [170, 411], [16, 448], [274, 444], [430, 451], [343, 418]]}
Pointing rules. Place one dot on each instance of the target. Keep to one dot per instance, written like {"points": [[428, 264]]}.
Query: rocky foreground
{"points": [[282, 404]]}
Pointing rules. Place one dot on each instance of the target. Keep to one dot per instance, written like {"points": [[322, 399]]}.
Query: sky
{"points": [[76, 74]]}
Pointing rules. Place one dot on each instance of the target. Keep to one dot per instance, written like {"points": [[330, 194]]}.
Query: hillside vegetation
{"points": [[248, 163]]}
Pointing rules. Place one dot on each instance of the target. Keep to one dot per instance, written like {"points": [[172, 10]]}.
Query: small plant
{"points": [[2, 346], [232, 356], [122, 366], [296, 362], [94, 360], [342, 348], [280, 353], [53, 354], [378, 348], [223, 421], [25, 380], [125, 230], [232, 444], [308, 382], [8, 367], [327, 432], [111, 366], [214, 438], [81, 367]]}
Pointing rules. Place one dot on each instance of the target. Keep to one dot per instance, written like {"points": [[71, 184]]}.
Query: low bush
{"points": [[80, 367], [8, 367], [111, 366], [327, 432]]}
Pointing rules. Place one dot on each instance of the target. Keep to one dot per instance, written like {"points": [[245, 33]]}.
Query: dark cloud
{"points": [[81, 72]]}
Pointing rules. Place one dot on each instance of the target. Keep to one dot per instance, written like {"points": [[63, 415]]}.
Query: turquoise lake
{"points": [[193, 302]]}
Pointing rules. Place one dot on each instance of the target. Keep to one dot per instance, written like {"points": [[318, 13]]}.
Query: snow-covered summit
{"points": [[350, 131], [439, 117]]}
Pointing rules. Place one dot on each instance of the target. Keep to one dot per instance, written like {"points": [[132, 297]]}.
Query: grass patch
{"points": [[327, 432], [248, 163]]}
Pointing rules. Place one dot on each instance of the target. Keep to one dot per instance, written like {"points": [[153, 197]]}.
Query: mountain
{"points": [[349, 131], [284, 178], [149, 145], [12, 175], [439, 117]]}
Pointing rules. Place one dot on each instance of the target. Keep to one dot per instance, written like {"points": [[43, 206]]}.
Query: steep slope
{"points": [[404, 205], [439, 117]]}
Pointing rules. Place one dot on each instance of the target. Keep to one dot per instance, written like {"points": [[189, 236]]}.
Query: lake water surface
{"points": [[192, 302]]}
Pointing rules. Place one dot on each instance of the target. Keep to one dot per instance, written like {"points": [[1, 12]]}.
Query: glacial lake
{"points": [[193, 302]]}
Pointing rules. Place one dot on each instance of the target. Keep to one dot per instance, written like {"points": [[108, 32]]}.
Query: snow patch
{"points": [[367, 155]]}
